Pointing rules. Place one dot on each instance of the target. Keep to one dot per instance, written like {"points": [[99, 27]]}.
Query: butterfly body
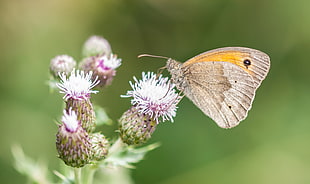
{"points": [[221, 82], [177, 74]]}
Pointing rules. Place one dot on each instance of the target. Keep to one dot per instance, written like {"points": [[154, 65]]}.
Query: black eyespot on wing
{"points": [[247, 62]]}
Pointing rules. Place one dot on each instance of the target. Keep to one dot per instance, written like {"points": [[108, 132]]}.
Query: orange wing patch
{"points": [[235, 57]]}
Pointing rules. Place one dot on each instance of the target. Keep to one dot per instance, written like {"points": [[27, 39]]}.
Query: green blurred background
{"points": [[270, 146]]}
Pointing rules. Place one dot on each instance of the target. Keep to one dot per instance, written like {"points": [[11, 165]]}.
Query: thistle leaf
{"points": [[36, 171], [101, 116], [129, 155]]}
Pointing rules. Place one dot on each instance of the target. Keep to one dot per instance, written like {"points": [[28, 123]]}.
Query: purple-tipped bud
{"points": [[103, 66], [136, 128], [62, 64], [72, 141], [96, 45]]}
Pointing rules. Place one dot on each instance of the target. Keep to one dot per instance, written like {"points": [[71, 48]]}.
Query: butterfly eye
{"points": [[247, 62]]}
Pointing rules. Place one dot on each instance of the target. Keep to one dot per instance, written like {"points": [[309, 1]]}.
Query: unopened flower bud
{"points": [[96, 45], [136, 128], [102, 66], [62, 64], [72, 142], [100, 146]]}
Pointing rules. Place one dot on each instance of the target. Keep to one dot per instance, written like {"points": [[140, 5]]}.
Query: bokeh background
{"points": [[270, 146]]}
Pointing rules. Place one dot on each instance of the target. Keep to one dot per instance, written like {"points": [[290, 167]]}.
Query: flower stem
{"points": [[90, 172], [90, 175], [77, 175], [118, 144]]}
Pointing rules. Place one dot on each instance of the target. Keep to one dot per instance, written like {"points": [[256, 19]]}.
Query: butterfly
{"points": [[221, 82]]}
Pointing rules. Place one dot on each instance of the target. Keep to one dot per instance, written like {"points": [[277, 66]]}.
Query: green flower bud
{"points": [[136, 128], [72, 142], [100, 146]]}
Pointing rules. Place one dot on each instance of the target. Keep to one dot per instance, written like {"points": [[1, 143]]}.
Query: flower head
{"points": [[136, 128], [70, 120], [72, 141], [78, 86], [62, 64], [154, 96], [100, 146], [96, 45], [103, 66], [105, 63]]}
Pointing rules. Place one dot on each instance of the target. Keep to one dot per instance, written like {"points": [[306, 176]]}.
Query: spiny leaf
{"points": [[35, 171]]}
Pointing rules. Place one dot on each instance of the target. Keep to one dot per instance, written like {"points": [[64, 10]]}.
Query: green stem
{"points": [[77, 175], [118, 144], [90, 176]]}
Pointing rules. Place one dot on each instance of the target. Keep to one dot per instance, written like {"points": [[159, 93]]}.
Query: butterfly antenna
{"points": [[160, 70], [154, 56]]}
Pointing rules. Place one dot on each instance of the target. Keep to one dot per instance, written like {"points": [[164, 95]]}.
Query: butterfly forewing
{"points": [[252, 61], [260, 64]]}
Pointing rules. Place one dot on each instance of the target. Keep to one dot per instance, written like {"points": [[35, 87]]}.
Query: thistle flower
{"points": [[72, 141], [110, 62], [62, 64], [103, 66], [96, 45], [100, 146], [136, 128], [78, 86], [77, 90], [154, 100], [154, 96]]}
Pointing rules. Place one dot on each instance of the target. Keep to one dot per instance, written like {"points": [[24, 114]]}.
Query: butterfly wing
{"points": [[223, 91], [259, 62], [222, 84]]}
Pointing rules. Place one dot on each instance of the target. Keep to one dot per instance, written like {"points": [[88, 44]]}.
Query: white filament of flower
{"points": [[78, 85], [70, 120]]}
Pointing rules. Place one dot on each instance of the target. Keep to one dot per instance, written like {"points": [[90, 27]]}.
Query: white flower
{"points": [[70, 120], [104, 63], [78, 86], [154, 96]]}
